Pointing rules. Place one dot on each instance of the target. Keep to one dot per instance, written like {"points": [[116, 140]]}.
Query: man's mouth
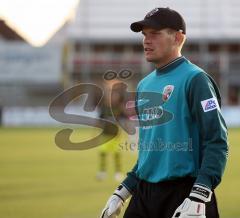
{"points": [[148, 49]]}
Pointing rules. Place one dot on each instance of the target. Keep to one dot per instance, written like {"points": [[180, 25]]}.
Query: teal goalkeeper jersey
{"points": [[182, 131]]}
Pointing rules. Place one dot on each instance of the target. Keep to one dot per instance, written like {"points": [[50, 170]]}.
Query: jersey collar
{"points": [[170, 66]]}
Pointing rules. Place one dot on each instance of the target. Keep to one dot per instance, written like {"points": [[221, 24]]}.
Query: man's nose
{"points": [[146, 40]]}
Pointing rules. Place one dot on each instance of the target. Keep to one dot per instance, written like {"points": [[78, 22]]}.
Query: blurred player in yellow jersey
{"points": [[111, 105]]}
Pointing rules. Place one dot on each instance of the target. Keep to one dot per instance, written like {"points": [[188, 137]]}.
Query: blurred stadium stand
{"points": [[29, 76], [99, 39]]}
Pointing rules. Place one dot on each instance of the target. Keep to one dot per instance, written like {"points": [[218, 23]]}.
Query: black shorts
{"points": [[160, 200]]}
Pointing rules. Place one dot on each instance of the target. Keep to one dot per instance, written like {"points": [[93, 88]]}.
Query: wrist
{"points": [[122, 192], [196, 199], [200, 192]]}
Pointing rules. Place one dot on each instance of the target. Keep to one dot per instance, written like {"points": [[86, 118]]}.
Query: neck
{"points": [[167, 60]]}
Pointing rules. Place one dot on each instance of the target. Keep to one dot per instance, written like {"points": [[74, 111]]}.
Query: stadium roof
{"points": [[109, 20], [8, 33]]}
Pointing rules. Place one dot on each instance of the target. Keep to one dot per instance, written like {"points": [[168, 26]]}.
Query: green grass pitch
{"points": [[39, 180]]}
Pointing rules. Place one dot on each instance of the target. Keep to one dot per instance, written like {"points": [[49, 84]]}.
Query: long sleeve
{"points": [[204, 103], [131, 180]]}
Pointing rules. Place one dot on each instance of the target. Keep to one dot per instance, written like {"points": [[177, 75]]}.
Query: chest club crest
{"points": [[167, 92]]}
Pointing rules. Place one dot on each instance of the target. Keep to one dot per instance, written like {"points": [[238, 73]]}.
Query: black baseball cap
{"points": [[160, 18]]}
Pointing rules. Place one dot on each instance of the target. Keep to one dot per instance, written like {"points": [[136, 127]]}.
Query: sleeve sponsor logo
{"points": [[209, 104]]}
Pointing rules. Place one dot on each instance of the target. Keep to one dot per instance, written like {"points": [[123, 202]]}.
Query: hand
{"points": [[115, 203], [189, 209], [194, 206]]}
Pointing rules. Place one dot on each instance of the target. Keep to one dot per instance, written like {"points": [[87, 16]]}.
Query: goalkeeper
{"points": [[182, 136]]}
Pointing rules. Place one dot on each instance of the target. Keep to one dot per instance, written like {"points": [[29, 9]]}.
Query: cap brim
{"points": [[138, 26]]}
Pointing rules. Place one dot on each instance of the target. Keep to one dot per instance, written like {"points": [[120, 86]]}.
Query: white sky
{"points": [[36, 20]]}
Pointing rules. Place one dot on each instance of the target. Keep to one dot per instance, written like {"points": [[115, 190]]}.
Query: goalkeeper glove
{"points": [[194, 205], [115, 203]]}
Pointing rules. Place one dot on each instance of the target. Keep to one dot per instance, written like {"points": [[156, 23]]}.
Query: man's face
{"points": [[158, 44]]}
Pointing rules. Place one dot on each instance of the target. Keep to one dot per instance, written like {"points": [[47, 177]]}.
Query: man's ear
{"points": [[179, 38]]}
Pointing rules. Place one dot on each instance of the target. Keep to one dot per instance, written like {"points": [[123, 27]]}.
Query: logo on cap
{"points": [[152, 12]]}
